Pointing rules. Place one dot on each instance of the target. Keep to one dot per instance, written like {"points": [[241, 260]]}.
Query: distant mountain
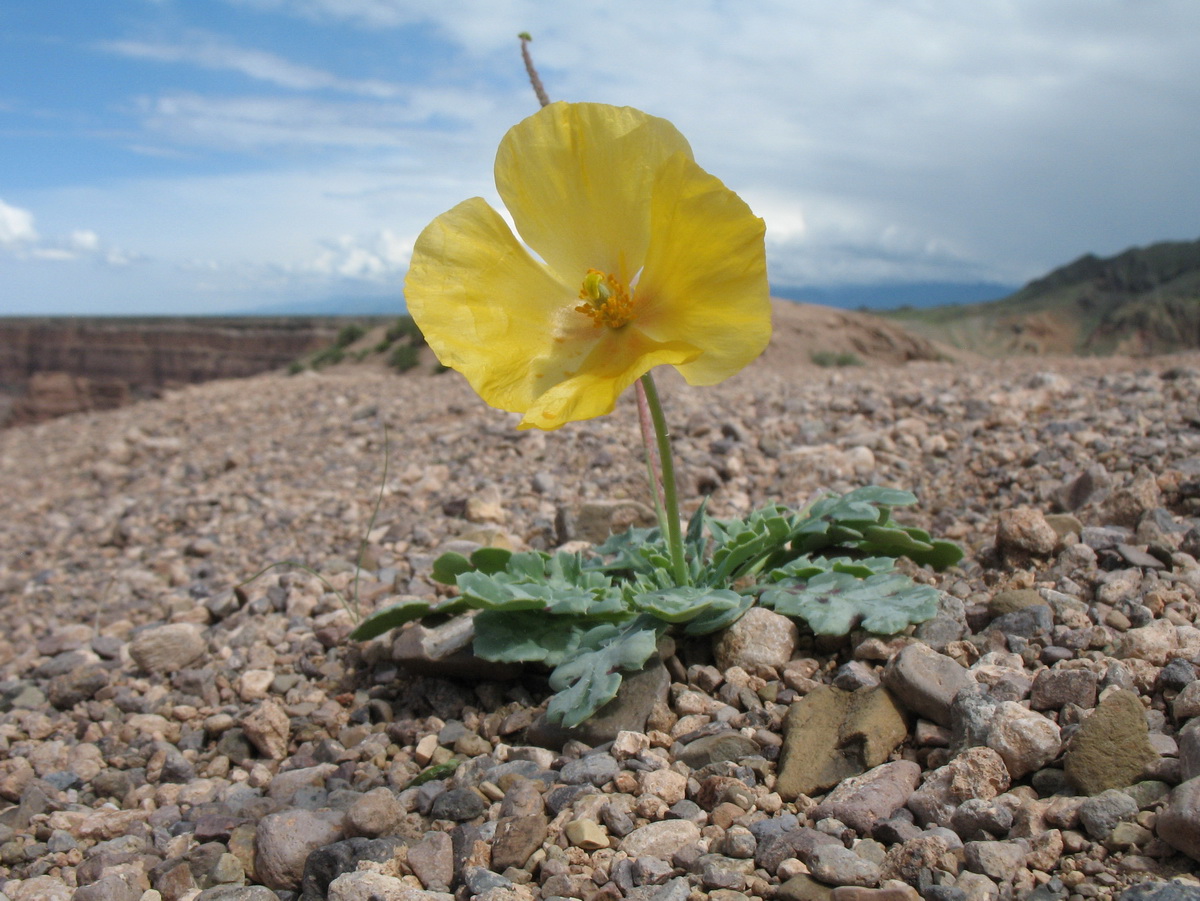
{"points": [[391, 305], [887, 296], [1145, 300], [891, 295]]}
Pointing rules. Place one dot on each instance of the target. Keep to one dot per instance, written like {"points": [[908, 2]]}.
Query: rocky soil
{"points": [[167, 734]]}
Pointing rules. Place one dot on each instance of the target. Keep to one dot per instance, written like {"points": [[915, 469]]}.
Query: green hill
{"points": [[1145, 300]]}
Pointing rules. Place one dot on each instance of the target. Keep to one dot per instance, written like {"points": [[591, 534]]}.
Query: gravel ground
{"points": [[166, 734]]}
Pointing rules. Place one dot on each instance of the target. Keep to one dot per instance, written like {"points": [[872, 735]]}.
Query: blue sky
{"points": [[202, 156]]}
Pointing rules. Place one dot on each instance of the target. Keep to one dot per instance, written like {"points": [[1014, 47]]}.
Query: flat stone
{"points": [[661, 839], [168, 648], [1054, 687], [1013, 600], [1178, 822], [998, 860], [586, 834], [832, 735], [1112, 748], [925, 682], [517, 837], [714, 748], [861, 801], [432, 861], [838, 865]]}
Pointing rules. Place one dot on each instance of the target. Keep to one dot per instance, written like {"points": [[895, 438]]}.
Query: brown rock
{"points": [[284, 840], [268, 728], [1178, 823], [975, 773], [432, 861], [761, 638], [875, 795], [1112, 747], [832, 734], [167, 649], [925, 681], [516, 839], [1024, 532]]}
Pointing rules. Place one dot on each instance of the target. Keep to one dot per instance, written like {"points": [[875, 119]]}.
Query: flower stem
{"points": [[674, 532], [648, 442], [542, 97]]}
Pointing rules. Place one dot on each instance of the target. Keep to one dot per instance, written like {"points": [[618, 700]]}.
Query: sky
{"points": [[209, 156]]}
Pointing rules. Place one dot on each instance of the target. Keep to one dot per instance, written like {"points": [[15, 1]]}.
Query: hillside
{"points": [[51, 367], [1145, 300]]}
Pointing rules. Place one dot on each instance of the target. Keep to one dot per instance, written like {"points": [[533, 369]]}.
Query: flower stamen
{"points": [[605, 300]]}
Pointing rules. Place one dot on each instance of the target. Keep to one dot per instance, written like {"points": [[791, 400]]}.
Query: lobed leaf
{"points": [[526, 637], [683, 604], [592, 677], [833, 603]]}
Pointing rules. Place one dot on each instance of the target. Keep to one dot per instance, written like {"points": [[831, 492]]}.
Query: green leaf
{"points": [[437, 771], [448, 566], [489, 592], [944, 554], [714, 618], [524, 637], [893, 541], [741, 544], [592, 677], [832, 603], [804, 568], [683, 604], [390, 618], [694, 537], [490, 560], [634, 551]]}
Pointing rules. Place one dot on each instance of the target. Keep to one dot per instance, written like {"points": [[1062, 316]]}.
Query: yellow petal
{"points": [[617, 359], [705, 278], [486, 307], [577, 178]]}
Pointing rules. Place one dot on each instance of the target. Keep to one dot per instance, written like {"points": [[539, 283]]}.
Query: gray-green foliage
{"points": [[591, 618]]}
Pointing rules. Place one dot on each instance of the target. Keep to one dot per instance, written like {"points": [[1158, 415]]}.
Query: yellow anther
{"points": [[606, 300]]}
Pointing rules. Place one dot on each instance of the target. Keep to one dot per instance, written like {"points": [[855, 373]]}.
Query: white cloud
{"points": [[377, 258], [20, 239], [214, 52], [16, 225]]}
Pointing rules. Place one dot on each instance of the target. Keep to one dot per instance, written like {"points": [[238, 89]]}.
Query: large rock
{"points": [[167, 649], [284, 840], [861, 801], [1178, 823], [1112, 747], [1026, 740], [661, 839], [925, 681], [976, 773], [1023, 532], [761, 638], [833, 734]]}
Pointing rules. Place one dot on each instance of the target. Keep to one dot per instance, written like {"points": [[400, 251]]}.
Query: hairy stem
{"points": [[649, 443], [667, 461], [542, 96]]}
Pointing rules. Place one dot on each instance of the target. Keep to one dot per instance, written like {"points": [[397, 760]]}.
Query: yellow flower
{"points": [[645, 260]]}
